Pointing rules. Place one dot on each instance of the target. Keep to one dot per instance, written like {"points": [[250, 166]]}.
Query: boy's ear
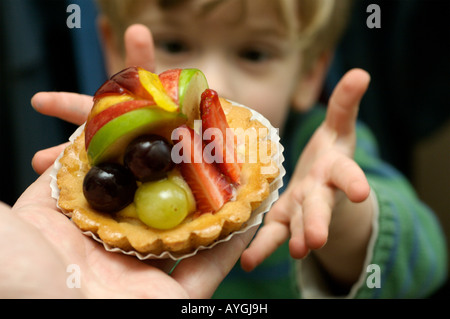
{"points": [[111, 51], [310, 84]]}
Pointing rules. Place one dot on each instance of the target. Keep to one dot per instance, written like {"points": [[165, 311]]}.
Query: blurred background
{"points": [[407, 104]]}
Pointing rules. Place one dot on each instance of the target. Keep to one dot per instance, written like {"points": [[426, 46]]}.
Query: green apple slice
{"points": [[110, 141], [191, 85]]}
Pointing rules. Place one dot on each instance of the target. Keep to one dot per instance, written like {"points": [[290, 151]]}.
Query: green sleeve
{"points": [[409, 246]]}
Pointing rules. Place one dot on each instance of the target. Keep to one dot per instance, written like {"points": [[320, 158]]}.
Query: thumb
{"points": [[344, 102], [139, 47]]}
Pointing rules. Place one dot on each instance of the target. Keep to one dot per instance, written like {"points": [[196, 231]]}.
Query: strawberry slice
{"points": [[213, 117], [209, 186]]}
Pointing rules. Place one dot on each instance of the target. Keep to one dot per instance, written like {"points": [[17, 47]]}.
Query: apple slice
{"points": [[110, 140], [116, 110], [127, 81], [185, 87], [107, 101], [169, 80], [191, 85]]}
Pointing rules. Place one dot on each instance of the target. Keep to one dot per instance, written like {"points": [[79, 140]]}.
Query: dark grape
{"points": [[109, 187], [148, 157]]}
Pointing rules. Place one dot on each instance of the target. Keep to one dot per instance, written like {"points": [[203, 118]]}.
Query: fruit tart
{"points": [[163, 166]]}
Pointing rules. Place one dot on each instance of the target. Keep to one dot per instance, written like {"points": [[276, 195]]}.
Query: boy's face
{"points": [[247, 55]]}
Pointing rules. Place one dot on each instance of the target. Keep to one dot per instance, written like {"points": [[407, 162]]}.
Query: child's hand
{"points": [[75, 108], [304, 210]]}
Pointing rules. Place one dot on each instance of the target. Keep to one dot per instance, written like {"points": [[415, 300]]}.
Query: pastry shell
{"points": [[124, 232]]}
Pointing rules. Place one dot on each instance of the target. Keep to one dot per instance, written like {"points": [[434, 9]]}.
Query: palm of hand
{"points": [[57, 243], [42, 243]]}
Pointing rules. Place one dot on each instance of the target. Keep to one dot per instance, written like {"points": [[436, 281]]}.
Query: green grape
{"points": [[176, 177], [161, 204]]}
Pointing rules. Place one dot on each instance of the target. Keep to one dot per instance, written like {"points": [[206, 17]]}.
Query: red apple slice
{"points": [[127, 81], [107, 101], [185, 87], [169, 80]]}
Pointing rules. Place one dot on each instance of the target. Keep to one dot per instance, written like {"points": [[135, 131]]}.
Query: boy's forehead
{"points": [[262, 15]]}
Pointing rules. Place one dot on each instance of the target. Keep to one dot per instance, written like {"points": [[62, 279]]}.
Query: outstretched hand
{"points": [[324, 170], [39, 243]]}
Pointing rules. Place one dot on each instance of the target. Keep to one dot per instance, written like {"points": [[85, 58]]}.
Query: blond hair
{"points": [[318, 24]]}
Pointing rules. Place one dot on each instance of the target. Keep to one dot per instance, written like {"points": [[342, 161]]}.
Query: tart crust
{"points": [[125, 231]]}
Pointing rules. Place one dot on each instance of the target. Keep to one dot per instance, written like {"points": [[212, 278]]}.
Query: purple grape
{"points": [[148, 157], [109, 187]]}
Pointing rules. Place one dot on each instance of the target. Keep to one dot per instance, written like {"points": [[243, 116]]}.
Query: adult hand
{"points": [[39, 243]]}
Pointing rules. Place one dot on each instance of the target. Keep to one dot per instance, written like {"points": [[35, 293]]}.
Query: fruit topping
{"points": [[109, 187], [127, 81], [210, 187], [98, 121], [185, 87], [153, 85], [176, 177], [148, 157], [109, 142], [107, 101], [170, 80], [191, 84], [161, 204], [135, 102], [132, 120], [213, 117]]}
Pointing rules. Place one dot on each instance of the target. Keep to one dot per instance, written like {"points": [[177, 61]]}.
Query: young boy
{"points": [[357, 215]]}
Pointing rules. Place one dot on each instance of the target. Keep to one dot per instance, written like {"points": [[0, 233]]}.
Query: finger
{"points": [[317, 208], [38, 194], [139, 47], [201, 274], [350, 178], [344, 102], [70, 107], [297, 245], [43, 159], [272, 234], [268, 239]]}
